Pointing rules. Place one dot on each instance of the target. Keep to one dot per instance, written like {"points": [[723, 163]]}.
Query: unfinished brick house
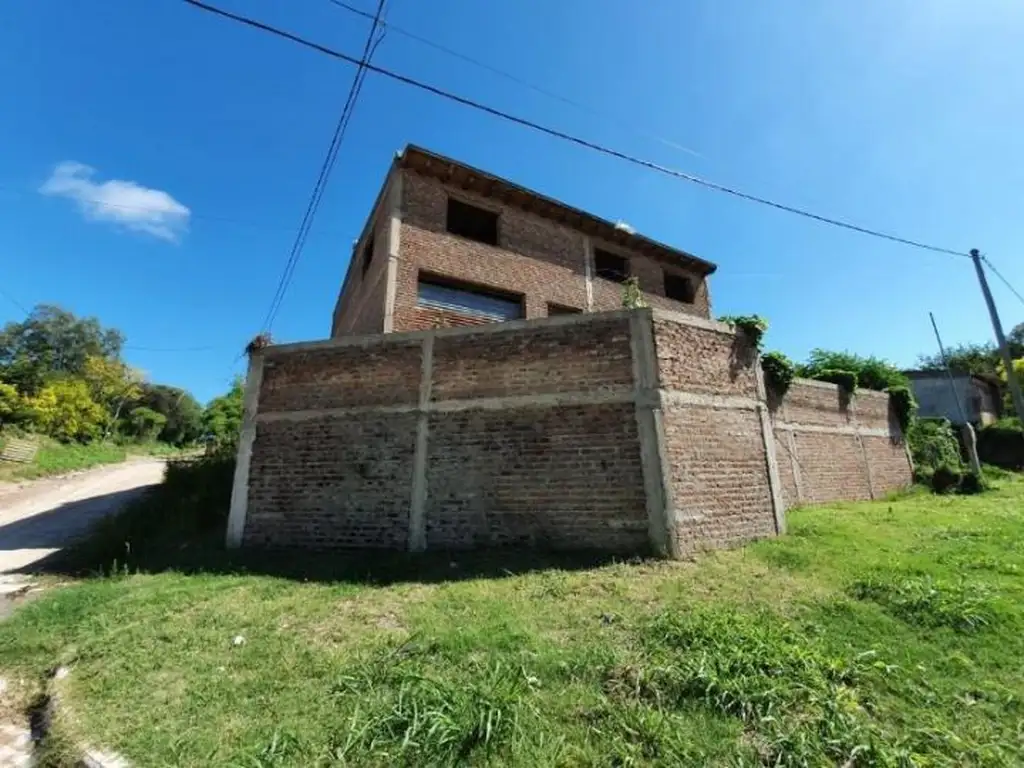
{"points": [[447, 245], [482, 387]]}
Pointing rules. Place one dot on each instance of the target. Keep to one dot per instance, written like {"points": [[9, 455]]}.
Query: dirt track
{"points": [[40, 517]]}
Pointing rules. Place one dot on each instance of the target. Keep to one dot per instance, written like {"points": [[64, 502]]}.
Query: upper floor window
{"points": [[679, 288], [367, 255], [471, 222], [467, 299], [610, 266]]}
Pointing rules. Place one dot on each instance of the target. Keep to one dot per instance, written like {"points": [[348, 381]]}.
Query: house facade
{"points": [[450, 245], [937, 397]]}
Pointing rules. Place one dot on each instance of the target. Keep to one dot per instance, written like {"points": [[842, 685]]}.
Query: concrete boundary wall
{"points": [[625, 431]]}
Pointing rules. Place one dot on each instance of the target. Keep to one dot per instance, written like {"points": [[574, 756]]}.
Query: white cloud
{"points": [[125, 203]]}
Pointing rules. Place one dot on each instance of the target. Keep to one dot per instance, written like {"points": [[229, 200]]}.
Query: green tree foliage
{"points": [[52, 341], [222, 419], [10, 402], [632, 296], [183, 414], [979, 359], [872, 372], [65, 410], [145, 423]]}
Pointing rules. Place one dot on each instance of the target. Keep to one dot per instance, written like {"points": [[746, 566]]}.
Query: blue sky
{"points": [[900, 115]]}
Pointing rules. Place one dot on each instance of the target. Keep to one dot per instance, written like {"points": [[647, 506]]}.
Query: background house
{"points": [[979, 396]]}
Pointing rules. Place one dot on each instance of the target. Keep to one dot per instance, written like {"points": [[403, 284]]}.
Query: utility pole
{"points": [[967, 430], [1011, 376]]}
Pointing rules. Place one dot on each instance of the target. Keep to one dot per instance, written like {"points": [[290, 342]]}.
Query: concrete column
{"points": [[394, 248], [240, 487], [798, 477], [651, 433], [418, 503], [768, 437], [863, 448], [588, 270]]}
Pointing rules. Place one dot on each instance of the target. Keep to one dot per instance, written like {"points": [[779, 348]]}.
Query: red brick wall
{"points": [[360, 307], [850, 463]]}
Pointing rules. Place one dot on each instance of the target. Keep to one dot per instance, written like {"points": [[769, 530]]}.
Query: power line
{"points": [[325, 171], [14, 301], [574, 139], [516, 79], [1005, 281]]}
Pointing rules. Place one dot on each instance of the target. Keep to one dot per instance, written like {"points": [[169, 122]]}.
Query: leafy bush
{"points": [[872, 372], [971, 483], [946, 478], [778, 372], [846, 380], [928, 603], [752, 326], [932, 445], [905, 406], [1002, 444]]}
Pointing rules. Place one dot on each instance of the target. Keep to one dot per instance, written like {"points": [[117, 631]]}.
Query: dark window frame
{"points": [[554, 310], [459, 221], [615, 267], [450, 285], [688, 292]]}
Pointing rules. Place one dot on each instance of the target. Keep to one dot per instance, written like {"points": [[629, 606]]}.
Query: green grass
{"points": [[54, 458], [887, 633]]}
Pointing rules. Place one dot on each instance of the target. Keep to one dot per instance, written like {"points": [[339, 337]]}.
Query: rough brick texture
{"points": [[334, 482], [695, 359], [558, 478], [385, 373], [719, 477], [536, 258], [846, 464], [578, 357]]}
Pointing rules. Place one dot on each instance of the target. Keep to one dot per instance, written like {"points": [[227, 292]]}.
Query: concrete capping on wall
{"points": [[859, 392], [404, 337], [240, 486], [694, 320]]}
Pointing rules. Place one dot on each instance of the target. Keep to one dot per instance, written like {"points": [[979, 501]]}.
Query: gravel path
{"points": [[38, 518]]}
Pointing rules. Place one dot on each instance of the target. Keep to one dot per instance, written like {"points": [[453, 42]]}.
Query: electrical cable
{"points": [[325, 170], [573, 139], [1006, 282], [516, 79]]}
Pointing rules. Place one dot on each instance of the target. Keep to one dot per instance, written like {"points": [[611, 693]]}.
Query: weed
{"points": [[925, 602]]}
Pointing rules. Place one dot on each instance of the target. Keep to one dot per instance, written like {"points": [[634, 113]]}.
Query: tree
{"points": [[872, 372], [183, 413], [112, 384], [222, 419], [1015, 341], [145, 423], [10, 402], [64, 409], [979, 359], [52, 341]]}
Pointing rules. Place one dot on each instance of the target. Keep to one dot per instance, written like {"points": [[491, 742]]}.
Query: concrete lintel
{"points": [[695, 320], [834, 430], [469, 404], [651, 434], [240, 486], [835, 388], [405, 337], [418, 501], [705, 400]]}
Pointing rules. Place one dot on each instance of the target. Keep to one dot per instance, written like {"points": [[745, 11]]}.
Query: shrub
{"points": [[946, 478], [904, 405], [933, 444], [632, 296], [752, 326], [778, 372], [845, 380], [872, 372], [971, 483], [1002, 444], [929, 603]]}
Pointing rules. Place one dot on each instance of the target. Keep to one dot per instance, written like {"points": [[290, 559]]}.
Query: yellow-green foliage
{"points": [[65, 410]]}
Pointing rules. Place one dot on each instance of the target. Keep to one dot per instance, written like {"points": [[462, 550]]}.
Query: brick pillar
{"points": [[768, 436]]}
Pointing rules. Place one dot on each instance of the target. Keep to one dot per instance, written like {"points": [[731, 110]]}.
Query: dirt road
{"points": [[41, 517]]}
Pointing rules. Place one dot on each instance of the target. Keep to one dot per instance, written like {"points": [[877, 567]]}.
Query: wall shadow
{"points": [[206, 555]]}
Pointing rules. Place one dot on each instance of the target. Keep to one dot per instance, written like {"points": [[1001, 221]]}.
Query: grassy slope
{"points": [[55, 458], [888, 632]]}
